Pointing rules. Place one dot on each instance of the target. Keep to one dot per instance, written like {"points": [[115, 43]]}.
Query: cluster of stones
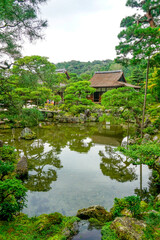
{"points": [[126, 227], [87, 116]]}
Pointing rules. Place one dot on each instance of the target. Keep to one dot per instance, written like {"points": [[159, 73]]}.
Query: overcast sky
{"points": [[84, 30]]}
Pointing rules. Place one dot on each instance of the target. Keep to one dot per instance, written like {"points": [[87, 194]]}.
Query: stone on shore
{"points": [[28, 134], [128, 228], [22, 167], [96, 211]]}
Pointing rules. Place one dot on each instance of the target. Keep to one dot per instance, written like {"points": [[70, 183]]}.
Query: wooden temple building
{"points": [[106, 80]]}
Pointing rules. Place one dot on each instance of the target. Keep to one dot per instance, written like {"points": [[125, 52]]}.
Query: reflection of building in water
{"points": [[108, 135]]}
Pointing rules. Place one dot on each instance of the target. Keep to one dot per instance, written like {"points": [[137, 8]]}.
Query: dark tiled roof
{"points": [[109, 79]]}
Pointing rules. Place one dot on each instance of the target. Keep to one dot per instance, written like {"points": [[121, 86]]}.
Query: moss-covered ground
{"points": [[52, 226]]}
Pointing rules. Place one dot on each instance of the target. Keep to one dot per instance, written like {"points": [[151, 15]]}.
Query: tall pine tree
{"points": [[140, 37]]}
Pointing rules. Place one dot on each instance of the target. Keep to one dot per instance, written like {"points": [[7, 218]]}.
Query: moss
{"points": [[95, 222], [108, 233], [143, 206], [29, 136], [53, 226]]}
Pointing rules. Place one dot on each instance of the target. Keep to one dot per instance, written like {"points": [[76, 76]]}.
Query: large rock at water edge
{"points": [[96, 211], [22, 167], [128, 228], [28, 134]]}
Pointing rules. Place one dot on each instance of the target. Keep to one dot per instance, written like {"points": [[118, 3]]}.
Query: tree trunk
{"points": [[145, 96]]}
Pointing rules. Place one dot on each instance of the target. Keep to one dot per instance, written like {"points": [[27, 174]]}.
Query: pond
{"points": [[73, 166]]}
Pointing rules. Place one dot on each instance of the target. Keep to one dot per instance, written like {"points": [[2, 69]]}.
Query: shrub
{"points": [[12, 198], [131, 202], [12, 192], [76, 109], [30, 117], [108, 233], [7, 153]]}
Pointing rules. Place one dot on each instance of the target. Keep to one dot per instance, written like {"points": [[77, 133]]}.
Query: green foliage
{"points": [[140, 34], [57, 98], [156, 123], [85, 67], [131, 202], [76, 93], [12, 192], [7, 153], [18, 19], [124, 103], [142, 154], [108, 233], [6, 168], [12, 198], [46, 222], [153, 225], [137, 77], [30, 117], [149, 130], [42, 227], [76, 109], [154, 84]]}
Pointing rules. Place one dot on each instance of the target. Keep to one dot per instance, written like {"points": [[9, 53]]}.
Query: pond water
{"points": [[73, 166]]}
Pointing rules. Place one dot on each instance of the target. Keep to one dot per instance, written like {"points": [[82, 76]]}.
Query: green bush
{"points": [[131, 202], [156, 123], [149, 130], [12, 192], [7, 153], [76, 109], [12, 198], [30, 117], [108, 233]]}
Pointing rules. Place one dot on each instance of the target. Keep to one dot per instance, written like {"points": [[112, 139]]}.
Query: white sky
{"points": [[84, 30]]}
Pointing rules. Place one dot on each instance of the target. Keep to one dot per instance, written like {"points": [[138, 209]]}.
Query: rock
{"points": [[128, 228], [124, 142], [70, 231], [146, 138], [147, 122], [131, 141], [87, 113], [92, 119], [96, 211], [49, 115], [1, 143], [157, 199], [156, 131], [28, 134], [22, 167], [126, 212], [155, 138]]}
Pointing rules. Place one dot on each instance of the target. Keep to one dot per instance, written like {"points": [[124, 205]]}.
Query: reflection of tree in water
{"points": [[42, 162], [72, 135], [153, 187], [116, 167]]}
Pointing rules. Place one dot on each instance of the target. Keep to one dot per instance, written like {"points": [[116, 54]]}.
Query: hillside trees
{"points": [[140, 37]]}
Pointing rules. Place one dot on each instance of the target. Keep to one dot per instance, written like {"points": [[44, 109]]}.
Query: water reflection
{"points": [[72, 166], [116, 166]]}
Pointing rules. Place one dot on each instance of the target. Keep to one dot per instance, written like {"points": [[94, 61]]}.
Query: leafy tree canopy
{"points": [[140, 36], [124, 103], [18, 20]]}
